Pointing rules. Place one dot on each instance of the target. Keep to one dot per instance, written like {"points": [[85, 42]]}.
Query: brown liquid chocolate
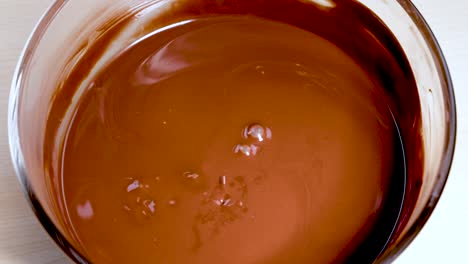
{"points": [[239, 134]]}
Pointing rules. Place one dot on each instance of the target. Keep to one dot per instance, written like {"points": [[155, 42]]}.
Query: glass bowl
{"points": [[55, 45]]}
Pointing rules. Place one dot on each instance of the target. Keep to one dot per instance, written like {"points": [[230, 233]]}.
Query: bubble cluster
{"points": [[223, 199], [221, 205], [253, 135], [139, 201]]}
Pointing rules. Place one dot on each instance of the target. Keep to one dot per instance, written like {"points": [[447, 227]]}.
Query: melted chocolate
{"points": [[241, 132]]}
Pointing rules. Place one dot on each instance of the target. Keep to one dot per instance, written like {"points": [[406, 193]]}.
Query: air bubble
{"points": [[222, 180], [85, 211], [150, 205], [247, 150], [260, 69], [226, 201], [133, 186], [257, 132], [269, 134], [191, 175], [193, 181]]}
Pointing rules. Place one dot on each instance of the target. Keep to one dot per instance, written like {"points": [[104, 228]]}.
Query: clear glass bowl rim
{"points": [[18, 161]]}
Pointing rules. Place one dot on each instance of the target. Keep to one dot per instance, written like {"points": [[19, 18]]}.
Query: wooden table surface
{"points": [[443, 240]]}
